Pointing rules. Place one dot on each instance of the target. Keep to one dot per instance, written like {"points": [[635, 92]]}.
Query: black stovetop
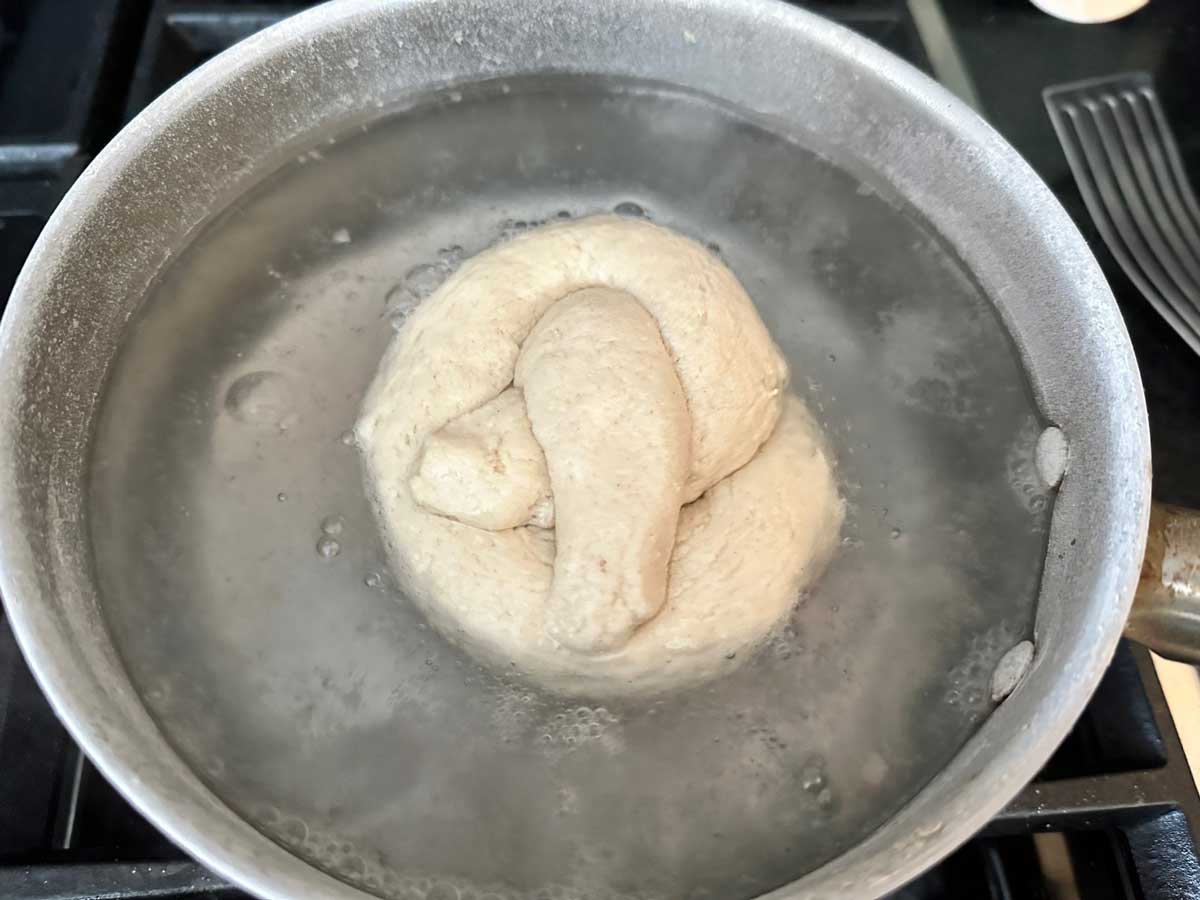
{"points": [[1115, 814]]}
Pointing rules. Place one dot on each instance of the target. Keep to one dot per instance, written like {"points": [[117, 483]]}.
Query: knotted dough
{"points": [[585, 462]]}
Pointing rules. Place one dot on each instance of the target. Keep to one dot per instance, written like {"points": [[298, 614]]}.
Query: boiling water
{"points": [[244, 577]]}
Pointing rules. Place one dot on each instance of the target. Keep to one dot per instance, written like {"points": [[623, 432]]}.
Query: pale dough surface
{"points": [[585, 462]]}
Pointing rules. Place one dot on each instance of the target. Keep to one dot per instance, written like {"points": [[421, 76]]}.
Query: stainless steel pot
{"points": [[192, 332]]}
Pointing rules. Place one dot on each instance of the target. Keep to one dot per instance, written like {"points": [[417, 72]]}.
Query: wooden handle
{"points": [[1166, 609]]}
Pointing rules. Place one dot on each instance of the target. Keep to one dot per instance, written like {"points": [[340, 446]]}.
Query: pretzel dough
{"points": [[585, 464]]}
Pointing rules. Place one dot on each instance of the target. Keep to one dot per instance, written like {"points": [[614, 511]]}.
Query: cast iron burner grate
{"points": [[1115, 814]]}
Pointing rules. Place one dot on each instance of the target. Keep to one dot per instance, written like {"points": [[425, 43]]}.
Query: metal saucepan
{"points": [[193, 333]]}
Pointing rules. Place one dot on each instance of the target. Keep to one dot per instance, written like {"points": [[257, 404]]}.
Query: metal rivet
{"points": [[1051, 456], [1010, 670]]}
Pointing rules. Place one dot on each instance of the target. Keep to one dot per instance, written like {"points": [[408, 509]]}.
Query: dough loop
{"points": [[585, 464]]}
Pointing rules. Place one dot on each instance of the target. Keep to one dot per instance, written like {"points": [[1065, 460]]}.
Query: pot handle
{"points": [[1166, 608]]}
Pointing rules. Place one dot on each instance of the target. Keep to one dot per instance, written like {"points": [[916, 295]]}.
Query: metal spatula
{"points": [[1123, 155]]}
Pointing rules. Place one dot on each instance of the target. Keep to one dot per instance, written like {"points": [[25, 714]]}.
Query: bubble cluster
{"points": [[337, 854], [572, 728], [1021, 466], [418, 283], [513, 711], [812, 775], [510, 228], [814, 780], [399, 304], [785, 642]]}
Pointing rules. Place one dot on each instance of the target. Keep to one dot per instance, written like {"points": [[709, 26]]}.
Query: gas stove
{"points": [[1114, 814]]}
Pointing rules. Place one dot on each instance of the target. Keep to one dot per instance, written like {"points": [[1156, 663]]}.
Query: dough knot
{"points": [[583, 454]]}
